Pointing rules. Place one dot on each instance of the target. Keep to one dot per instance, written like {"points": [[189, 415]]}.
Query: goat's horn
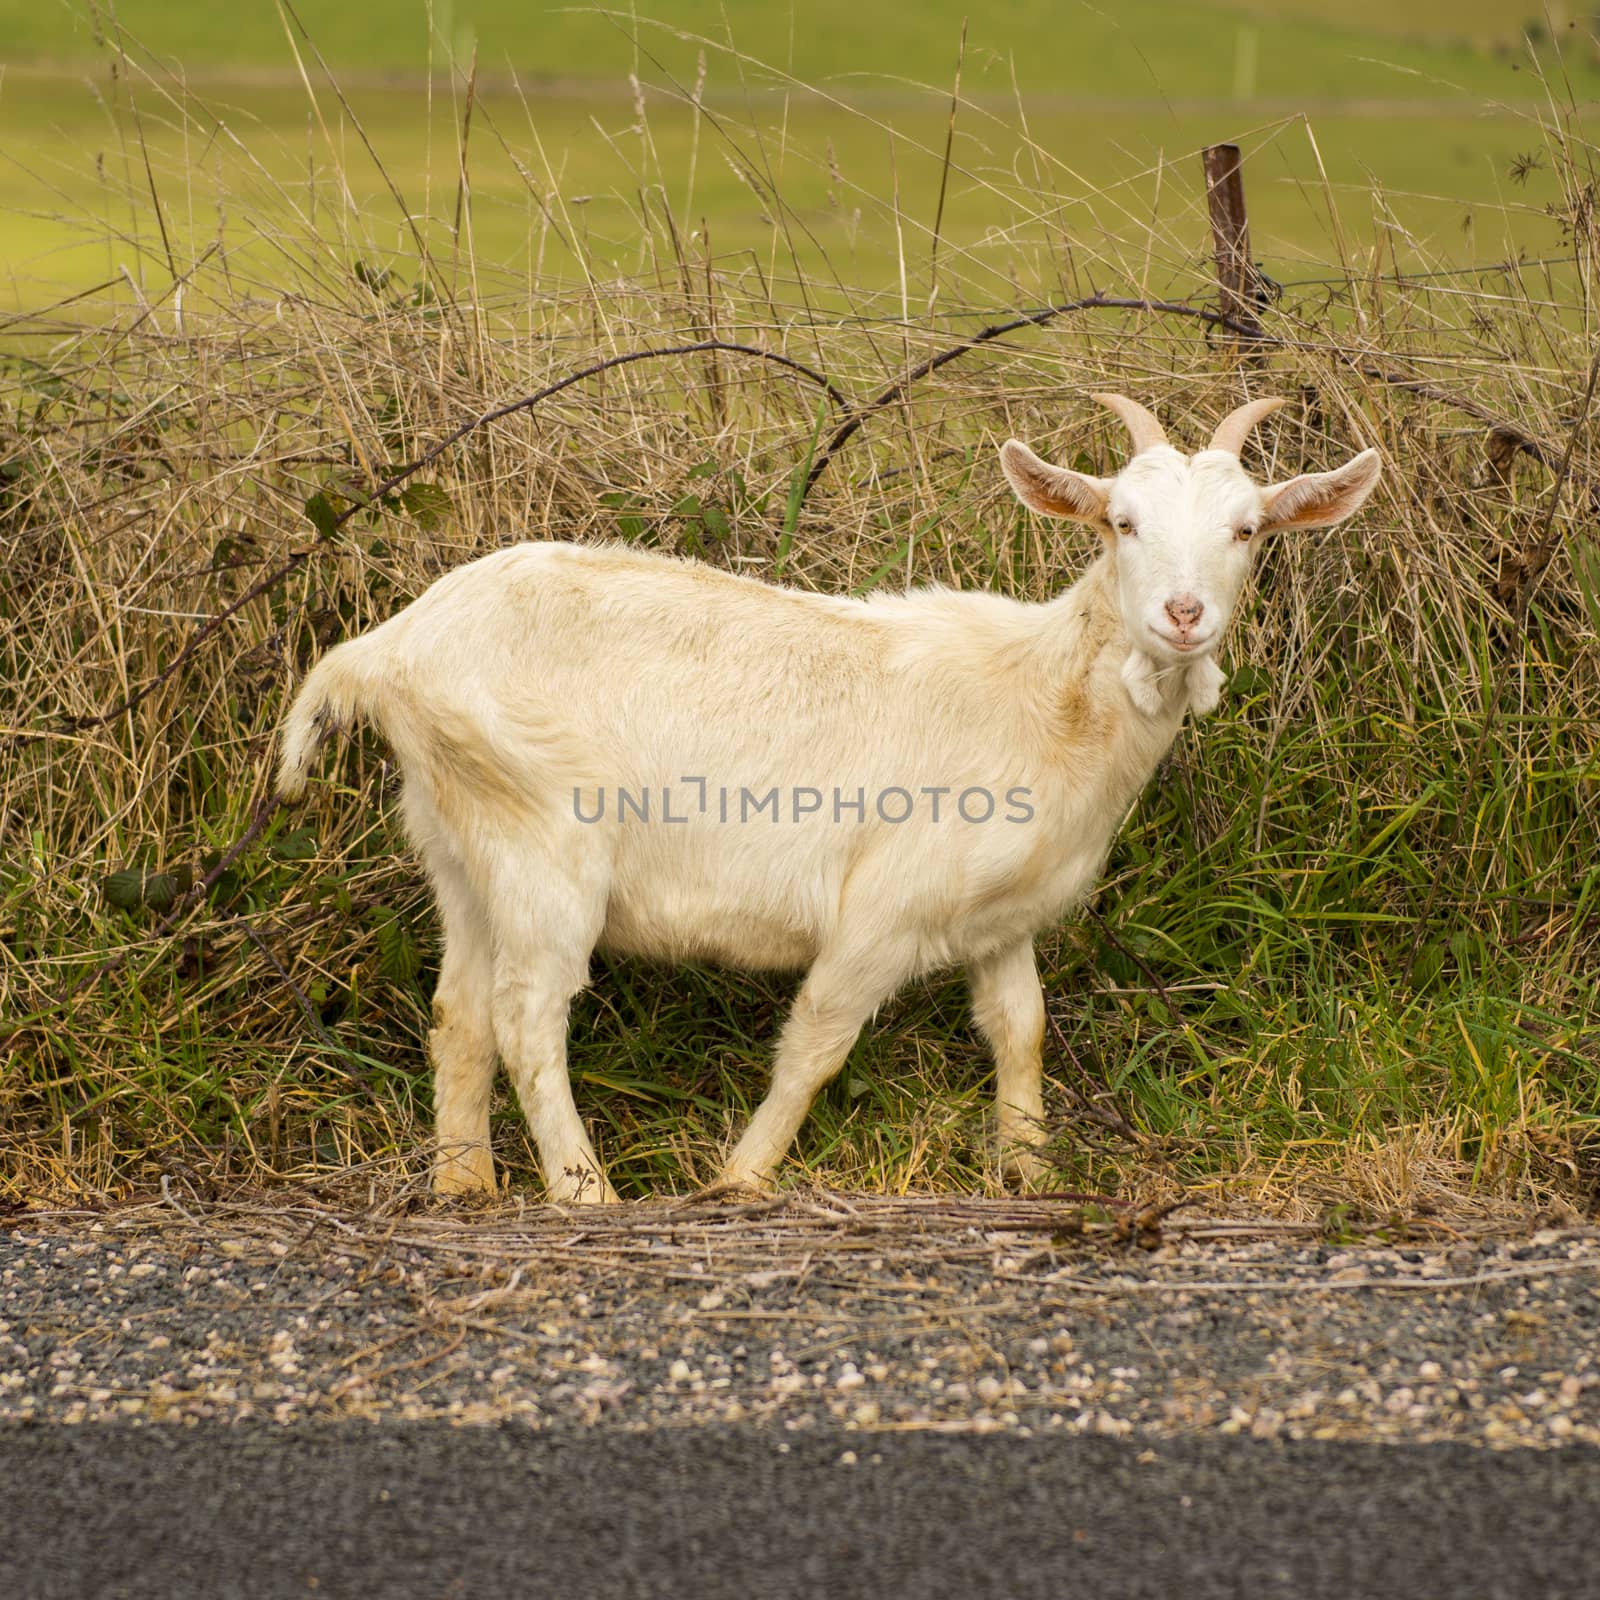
{"points": [[1147, 432], [1235, 428]]}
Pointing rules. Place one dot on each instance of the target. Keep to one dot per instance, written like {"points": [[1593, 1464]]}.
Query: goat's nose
{"points": [[1184, 610]]}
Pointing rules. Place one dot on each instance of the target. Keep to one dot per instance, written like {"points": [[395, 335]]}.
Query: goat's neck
{"points": [[1098, 685]]}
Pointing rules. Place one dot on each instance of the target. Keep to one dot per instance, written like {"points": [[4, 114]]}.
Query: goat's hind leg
{"points": [[544, 933], [461, 1042]]}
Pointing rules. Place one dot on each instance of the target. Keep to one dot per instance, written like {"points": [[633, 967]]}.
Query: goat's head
{"points": [[1183, 530]]}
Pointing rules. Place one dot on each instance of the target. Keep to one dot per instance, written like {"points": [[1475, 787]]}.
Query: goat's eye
{"points": [[1124, 527], [1247, 532]]}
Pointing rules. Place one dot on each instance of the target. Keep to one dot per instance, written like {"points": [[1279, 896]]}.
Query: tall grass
{"points": [[1348, 941]]}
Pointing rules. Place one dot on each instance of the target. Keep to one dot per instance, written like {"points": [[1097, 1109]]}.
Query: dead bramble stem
{"points": [[841, 437]]}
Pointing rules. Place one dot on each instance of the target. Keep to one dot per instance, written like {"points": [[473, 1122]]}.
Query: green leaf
{"points": [[1117, 965], [687, 506], [374, 278], [160, 890], [300, 845], [337, 888], [630, 527], [125, 889], [427, 504], [716, 522], [399, 960], [227, 886], [322, 516], [1337, 1223], [1429, 963], [706, 469]]}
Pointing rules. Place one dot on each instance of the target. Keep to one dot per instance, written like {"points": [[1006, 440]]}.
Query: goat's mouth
{"points": [[1181, 645]]}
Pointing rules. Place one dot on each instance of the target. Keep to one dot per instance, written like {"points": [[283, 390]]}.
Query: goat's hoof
{"points": [[595, 1192], [468, 1176], [1026, 1170], [733, 1191]]}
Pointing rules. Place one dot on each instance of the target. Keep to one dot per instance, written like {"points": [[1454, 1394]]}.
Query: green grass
{"points": [[1348, 941]]}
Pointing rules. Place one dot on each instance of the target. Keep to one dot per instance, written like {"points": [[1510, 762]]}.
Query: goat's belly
{"points": [[688, 927], [683, 896], [709, 894]]}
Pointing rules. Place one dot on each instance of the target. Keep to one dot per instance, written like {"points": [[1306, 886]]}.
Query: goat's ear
{"points": [[1055, 491], [1320, 499]]}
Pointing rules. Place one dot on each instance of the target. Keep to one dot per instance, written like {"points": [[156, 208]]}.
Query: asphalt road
{"points": [[356, 1509]]}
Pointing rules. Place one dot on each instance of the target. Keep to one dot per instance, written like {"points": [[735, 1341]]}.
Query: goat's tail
{"points": [[345, 687]]}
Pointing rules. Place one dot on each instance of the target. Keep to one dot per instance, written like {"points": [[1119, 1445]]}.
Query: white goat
{"points": [[607, 747]]}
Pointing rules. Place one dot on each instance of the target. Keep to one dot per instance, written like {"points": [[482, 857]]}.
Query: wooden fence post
{"points": [[1230, 235]]}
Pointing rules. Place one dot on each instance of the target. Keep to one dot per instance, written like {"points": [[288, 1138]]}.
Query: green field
{"points": [[1409, 129], [1139, 48]]}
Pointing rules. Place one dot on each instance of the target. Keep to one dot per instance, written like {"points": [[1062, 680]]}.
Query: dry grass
{"points": [[1349, 939]]}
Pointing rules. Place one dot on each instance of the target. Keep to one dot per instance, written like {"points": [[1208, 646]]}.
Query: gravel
{"points": [[815, 1312]]}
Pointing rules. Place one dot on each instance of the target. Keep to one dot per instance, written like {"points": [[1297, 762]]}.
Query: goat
{"points": [[607, 747]]}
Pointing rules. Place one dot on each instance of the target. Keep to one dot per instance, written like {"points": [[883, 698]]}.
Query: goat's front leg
{"points": [[840, 994], [1008, 1005]]}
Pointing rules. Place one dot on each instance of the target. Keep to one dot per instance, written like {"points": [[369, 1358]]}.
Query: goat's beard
{"points": [[1150, 683]]}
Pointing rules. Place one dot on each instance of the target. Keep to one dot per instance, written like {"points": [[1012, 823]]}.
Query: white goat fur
{"points": [[548, 669]]}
